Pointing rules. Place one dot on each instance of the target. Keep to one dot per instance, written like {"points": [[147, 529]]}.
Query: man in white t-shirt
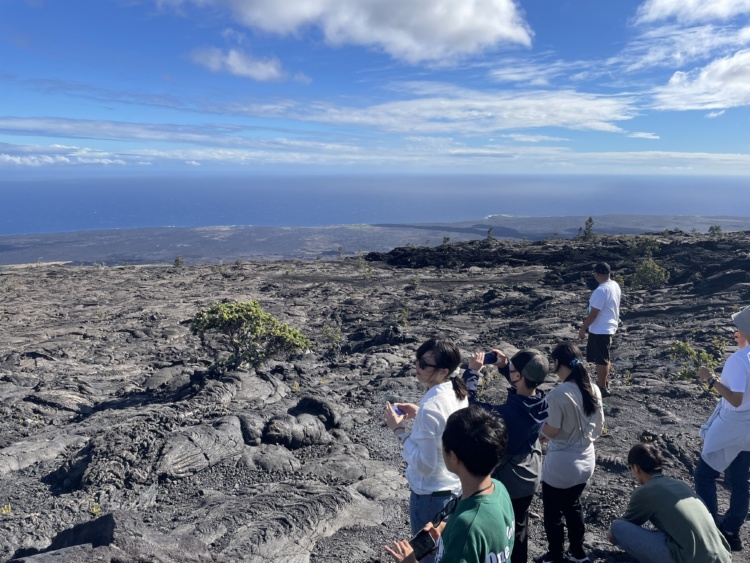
{"points": [[726, 436], [601, 323]]}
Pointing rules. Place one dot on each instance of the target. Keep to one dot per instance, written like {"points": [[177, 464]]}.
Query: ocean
{"points": [[61, 205]]}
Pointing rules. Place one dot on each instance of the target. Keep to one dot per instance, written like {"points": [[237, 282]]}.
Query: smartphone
{"points": [[397, 410], [422, 544], [490, 358]]}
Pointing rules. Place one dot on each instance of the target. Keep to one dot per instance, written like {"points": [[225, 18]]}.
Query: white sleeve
{"points": [[421, 448], [734, 375]]}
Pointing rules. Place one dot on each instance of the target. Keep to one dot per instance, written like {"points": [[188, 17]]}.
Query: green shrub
{"points": [[246, 331], [691, 359], [649, 275]]}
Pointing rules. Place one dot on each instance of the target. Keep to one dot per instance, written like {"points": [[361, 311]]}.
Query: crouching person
{"points": [[479, 524], [685, 531]]}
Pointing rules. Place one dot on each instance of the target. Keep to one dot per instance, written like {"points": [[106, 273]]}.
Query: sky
{"points": [[237, 87]]}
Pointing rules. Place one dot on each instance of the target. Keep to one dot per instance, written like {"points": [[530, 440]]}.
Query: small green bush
{"points": [[246, 331], [691, 359], [649, 275]]}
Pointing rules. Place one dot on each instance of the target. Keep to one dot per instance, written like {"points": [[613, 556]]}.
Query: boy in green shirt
{"points": [[685, 531], [480, 528]]}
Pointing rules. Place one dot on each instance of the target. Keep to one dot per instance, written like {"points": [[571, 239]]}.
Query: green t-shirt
{"points": [[676, 510], [481, 530]]}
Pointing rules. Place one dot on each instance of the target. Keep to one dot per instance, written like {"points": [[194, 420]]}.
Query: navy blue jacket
{"points": [[523, 416]]}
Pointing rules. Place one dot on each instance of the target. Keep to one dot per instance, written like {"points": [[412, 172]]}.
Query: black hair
{"points": [[568, 353], [529, 383], [645, 456], [478, 438], [447, 356]]}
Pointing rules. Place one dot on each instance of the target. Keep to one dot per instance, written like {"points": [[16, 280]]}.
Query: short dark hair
{"points": [[478, 438], [646, 457]]}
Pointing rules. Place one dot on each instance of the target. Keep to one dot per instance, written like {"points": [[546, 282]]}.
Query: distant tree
{"points": [[489, 234], [179, 261], [341, 252], [446, 240], [588, 229], [246, 331], [715, 231]]}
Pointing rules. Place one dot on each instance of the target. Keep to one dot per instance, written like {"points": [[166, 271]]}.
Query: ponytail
{"points": [[569, 356], [459, 388]]}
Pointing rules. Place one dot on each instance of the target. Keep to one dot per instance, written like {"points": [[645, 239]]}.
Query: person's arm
{"points": [[549, 431], [639, 508], [551, 428], [420, 448], [734, 398], [472, 376], [590, 318]]}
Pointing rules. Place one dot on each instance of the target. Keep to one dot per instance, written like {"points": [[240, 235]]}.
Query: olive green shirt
{"points": [[676, 510]]}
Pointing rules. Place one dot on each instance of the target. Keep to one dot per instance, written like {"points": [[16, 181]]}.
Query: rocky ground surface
{"points": [[117, 444]]}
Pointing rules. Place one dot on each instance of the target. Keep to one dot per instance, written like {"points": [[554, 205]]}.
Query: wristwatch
{"points": [[711, 381]]}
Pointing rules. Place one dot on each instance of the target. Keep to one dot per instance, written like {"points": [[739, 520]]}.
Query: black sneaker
{"points": [[547, 558], [734, 541]]}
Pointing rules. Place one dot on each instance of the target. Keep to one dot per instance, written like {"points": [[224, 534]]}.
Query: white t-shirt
{"points": [[423, 449], [606, 298], [736, 376]]}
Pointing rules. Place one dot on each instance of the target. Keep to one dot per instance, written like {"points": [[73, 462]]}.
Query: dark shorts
{"points": [[597, 348]]}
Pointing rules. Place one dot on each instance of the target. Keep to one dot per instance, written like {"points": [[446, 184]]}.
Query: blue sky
{"points": [[118, 87]]}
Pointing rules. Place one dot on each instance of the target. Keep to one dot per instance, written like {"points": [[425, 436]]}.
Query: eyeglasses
{"points": [[448, 509], [423, 364], [511, 367]]}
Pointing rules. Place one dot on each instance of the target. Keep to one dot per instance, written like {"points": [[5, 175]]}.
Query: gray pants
{"points": [[646, 546]]}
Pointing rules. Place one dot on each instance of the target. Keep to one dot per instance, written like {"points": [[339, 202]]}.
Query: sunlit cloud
{"points": [[641, 135], [522, 138], [724, 83], [414, 31], [239, 63], [691, 10], [715, 114]]}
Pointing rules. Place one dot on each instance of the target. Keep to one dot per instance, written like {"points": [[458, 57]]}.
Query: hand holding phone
{"points": [[398, 411], [422, 544], [490, 358]]}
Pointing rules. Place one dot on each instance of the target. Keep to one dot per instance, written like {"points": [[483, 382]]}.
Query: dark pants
{"points": [[520, 553], [735, 476], [559, 504]]}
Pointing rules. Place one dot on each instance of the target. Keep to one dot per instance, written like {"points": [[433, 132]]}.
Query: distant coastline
{"points": [[223, 244], [91, 204]]}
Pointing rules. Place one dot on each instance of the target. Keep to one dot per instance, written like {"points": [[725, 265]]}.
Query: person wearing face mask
{"points": [[432, 485], [524, 412], [575, 419]]}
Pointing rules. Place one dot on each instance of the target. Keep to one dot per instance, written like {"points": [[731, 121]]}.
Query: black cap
{"points": [[602, 268]]}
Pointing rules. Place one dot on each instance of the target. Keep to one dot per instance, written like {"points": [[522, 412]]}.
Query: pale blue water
{"points": [[43, 206]]}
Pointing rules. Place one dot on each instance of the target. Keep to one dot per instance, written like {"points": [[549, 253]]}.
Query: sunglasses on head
{"points": [[424, 365]]}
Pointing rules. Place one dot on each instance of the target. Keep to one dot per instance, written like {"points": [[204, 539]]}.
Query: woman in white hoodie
{"points": [[431, 484]]}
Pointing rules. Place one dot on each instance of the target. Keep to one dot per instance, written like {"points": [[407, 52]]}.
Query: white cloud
{"points": [[644, 136], [467, 112], [691, 10], [239, 63], [674, 46], [534, 73], [724, 83], [521, 138], [714, 114], [413, 30]]}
